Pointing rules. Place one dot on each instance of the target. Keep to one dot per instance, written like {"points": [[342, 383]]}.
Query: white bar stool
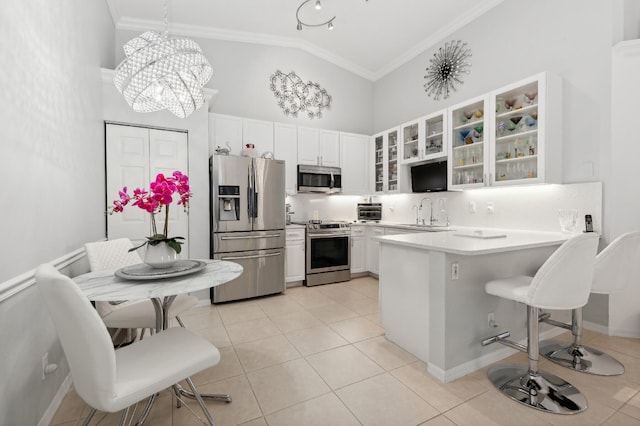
{"points": [[617, 266], [562, 282]]}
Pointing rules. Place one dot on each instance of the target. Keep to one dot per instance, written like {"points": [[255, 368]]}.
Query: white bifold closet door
{"points": [[134, 157]]}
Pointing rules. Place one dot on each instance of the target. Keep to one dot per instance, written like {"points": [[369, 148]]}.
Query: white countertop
{"points": [[460, 240]]}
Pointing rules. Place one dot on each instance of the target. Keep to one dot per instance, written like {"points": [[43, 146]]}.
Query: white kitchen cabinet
{"points": [[527, 132], [226, 132], [358, 252], [286, 148], [511, 136], [388, 175], [259, 133], [424, 139], [235, 132], [469, 127], [373, 248], [318, 147], [354, 152], [295, 254], [134, 157]]}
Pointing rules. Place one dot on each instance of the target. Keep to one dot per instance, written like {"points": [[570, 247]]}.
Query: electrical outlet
{"points": [[455, 270], [491, 320], [45, 362], [472, 207], [491, 207]]}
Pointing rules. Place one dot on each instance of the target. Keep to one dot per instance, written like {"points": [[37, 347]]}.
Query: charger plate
{"points": [[142, 271]]}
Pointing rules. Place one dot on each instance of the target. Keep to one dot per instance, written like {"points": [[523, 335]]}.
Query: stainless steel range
{"points": [[328, 252]]}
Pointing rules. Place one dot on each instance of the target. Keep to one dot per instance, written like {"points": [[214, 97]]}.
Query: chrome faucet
{"points": [[430, 210], [417, 214]]}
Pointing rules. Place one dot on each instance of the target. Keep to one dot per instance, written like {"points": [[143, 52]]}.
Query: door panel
{"points": [[263, 274], [270, 183], [234, 171]]}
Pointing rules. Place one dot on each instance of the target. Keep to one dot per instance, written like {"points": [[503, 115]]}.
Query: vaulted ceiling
{"points": [[370, 37]]}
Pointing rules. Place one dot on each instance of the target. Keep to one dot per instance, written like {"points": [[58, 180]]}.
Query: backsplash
{"points": [[533, 207]]}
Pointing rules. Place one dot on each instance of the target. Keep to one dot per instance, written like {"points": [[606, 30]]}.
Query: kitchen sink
{"points": [[427, 228]]}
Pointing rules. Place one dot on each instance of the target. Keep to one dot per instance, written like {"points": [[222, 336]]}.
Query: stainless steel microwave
{"points": [[326, 180]]}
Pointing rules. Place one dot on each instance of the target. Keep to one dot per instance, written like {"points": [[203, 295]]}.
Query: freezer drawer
{"points": [[225, 242], [263, 274]]}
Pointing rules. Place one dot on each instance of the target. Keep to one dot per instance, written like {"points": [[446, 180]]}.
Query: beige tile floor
{"points": [[318, 356]]}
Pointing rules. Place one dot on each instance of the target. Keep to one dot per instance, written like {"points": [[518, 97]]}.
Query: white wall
{"points": [[51, 168], [242, 71]]}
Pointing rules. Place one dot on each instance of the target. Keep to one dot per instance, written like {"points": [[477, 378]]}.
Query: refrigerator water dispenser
{"points": [[229, 202]]}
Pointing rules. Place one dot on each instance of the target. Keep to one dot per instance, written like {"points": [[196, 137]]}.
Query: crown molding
{"points": [[131, 24]]}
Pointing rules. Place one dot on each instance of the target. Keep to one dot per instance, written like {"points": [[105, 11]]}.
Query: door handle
{"points": [[255, 256], [251, 237]]}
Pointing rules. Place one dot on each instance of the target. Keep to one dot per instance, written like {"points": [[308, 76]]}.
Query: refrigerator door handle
{"points": [[251, 237], [255, 256]]}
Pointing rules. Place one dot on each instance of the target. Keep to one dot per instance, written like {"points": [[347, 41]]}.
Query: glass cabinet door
{"points": [[516, 133], [411, 146], [434, 135], [379, 162], [392, 142], [469, 148]]}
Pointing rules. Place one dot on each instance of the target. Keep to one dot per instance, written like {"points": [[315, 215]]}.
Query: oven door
{"points": [[328, 252]]}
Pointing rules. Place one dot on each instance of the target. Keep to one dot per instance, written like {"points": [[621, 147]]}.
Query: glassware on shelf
{"points": [[510, 126], [530, 121], [467, 115], [510, 103], [529, 97], [478, 113], [464, 134], [501, 128]]}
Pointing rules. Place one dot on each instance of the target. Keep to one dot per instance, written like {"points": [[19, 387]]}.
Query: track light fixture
{"points": [[318, 6]]}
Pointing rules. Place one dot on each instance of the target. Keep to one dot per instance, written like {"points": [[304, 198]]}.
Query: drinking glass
{"points": [[568, 218]]}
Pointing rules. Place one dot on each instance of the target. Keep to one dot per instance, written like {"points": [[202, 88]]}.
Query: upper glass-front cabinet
{"points": [[392, 148], [378, 163], [388, 176], [526, 114], [511, 136], [424, 139], [469, 123]]}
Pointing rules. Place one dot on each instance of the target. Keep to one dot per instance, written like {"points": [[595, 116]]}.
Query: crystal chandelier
{"points": [[161, 72]]}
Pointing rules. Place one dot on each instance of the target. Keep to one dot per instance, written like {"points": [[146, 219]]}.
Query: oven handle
{"points": [[255, 256], [251, 237], [328, 234]]}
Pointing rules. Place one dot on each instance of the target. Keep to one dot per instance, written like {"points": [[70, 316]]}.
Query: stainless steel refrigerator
{"points": [[247, 224]]}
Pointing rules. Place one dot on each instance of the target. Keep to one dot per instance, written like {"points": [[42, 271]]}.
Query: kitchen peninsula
{"points": [[432, 298]]}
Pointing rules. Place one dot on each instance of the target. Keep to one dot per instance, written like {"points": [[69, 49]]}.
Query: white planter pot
{"points": [[160, 256]]}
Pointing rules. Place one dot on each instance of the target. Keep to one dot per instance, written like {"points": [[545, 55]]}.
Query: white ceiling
{"points": [[371, 38]]}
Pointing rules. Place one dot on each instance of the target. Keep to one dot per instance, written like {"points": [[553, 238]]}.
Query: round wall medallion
{"points": [[447, 65]]}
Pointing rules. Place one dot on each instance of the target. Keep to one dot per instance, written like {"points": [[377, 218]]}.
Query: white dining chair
{"points": [[112, 380], [114, 254], [617, 268], [562, 282]]}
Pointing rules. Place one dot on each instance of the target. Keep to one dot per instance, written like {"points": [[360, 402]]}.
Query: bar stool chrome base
{"points": [[581, 358], [542, 391]]}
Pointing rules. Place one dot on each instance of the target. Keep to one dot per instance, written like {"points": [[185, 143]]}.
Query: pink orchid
{"points": [[160, 194]]}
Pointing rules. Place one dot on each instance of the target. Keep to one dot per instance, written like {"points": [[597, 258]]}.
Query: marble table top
{"points": [[105, 286]]}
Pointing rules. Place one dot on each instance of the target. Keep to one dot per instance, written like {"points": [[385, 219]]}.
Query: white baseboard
{"points": [[446, 376], [621, 332], [598, 328], [51, 410]]}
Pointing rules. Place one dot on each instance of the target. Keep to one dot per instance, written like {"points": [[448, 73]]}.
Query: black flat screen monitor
{"points": [[429, 177]]}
